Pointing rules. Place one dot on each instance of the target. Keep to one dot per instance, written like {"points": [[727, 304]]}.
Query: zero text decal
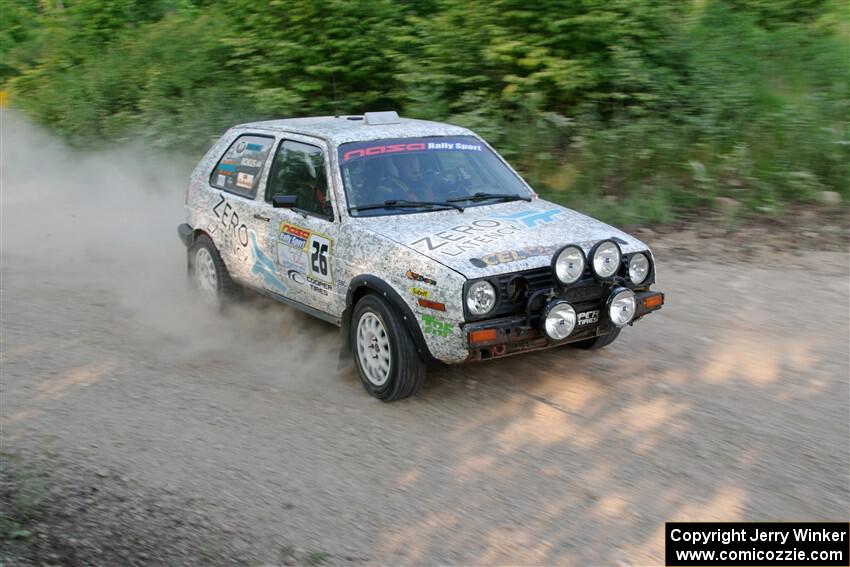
{"points": [[459, 239]]}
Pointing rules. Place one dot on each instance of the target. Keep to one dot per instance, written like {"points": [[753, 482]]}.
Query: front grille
{"points": [[537, 282], [542, 279]]}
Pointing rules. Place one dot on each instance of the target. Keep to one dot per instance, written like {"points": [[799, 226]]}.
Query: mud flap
{"points": [[187, 234]]}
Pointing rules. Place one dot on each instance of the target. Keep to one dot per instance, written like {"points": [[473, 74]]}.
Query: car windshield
{"points": [[411, 175]]}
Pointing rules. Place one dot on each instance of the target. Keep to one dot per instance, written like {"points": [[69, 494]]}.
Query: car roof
{"points": [[355, 128]]}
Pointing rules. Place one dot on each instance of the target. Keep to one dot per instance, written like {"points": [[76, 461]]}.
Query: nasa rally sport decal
{"points": [[307, 257]]}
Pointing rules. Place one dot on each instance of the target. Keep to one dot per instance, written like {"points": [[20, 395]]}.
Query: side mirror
{"points": [[284, 201]]}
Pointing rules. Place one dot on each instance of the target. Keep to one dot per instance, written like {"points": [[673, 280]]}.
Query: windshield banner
{"points": [[357, 150]]}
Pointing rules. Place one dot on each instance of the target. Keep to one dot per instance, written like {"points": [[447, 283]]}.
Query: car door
{"points": [[232, 206], [302, 237]]}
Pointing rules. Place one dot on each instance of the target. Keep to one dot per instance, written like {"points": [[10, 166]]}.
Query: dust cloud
{"points": [[100, 226]]}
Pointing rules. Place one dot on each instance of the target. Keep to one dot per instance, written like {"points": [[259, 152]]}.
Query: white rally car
{"points": [[416, 238]]}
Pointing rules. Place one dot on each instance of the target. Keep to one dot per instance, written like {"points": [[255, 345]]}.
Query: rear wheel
{"points": [[599, 342], [389, 366], [208, 272]]}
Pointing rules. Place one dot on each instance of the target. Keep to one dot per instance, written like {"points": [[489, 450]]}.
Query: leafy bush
{"points": [[659, 107]]}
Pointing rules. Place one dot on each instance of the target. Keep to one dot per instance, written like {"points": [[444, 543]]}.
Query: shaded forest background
{"points": [[633, 110]]}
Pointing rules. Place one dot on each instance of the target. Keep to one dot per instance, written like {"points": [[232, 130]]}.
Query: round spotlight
{"points": [[568, 264], [621, 306], [638, 268], [559, 320], [605, 259]]}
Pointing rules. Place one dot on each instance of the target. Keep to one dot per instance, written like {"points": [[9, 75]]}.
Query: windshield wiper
{"points": [[402, 204], [486, 196]]}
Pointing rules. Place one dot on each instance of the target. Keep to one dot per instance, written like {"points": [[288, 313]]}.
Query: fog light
{"points": [[559, 320], [621, 306]]}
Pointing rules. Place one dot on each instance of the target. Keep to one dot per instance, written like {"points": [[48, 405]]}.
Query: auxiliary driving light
{"points": [[568, 264], [605, 259], [621, 306], [559, 320]]}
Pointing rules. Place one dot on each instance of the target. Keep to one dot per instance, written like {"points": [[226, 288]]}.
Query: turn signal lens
{"points": [[482, 336], [653, 301], [432, 304]]}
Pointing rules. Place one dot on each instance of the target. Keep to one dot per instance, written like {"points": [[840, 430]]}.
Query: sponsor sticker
{"points": [[318, 286], [296, 276], [512, 256], [420, 278], [245, 180], [309, 250], [293, 236], [358, 150], [419, 292], [588, 318], [251, 162], [434, 326]]}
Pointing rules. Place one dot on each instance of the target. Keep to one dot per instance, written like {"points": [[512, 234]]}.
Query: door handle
{"points": [[258, 216]]}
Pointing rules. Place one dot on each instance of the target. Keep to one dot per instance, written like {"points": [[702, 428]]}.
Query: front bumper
{"points": [[520, 333]]}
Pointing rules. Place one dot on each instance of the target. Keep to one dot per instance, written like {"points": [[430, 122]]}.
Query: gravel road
{"points": [[732, 403]]}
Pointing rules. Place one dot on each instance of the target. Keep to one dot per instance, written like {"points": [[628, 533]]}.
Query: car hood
{"points": [[495, 239]]}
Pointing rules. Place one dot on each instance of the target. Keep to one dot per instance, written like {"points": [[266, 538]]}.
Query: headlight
{"points": [[605, 259], [621, 306], [569, 264], [559, 320], [638, 268], [480, 298]]}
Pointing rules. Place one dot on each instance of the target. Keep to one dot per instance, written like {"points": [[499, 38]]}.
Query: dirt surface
{"points": [[166, 434]]}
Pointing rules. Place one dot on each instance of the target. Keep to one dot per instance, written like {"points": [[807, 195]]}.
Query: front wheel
{"points": [[389, 366], [599, 342]]}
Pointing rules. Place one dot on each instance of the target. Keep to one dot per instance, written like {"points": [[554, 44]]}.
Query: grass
{"points": [[316, 557], [23, 493]]}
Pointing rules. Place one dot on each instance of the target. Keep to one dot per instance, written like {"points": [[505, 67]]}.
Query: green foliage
{"points": [[659, 106], [307, 58], [316, 558], [22, 492]]}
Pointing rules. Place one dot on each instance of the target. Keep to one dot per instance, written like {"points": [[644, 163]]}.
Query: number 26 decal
{"points": [[320, 248]]}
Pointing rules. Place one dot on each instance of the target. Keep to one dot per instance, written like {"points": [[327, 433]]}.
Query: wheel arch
{"points": [[189, 235], [366, 284]]}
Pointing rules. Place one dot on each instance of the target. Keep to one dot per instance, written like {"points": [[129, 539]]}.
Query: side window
{"points": [[299, 169], [239, 169]]}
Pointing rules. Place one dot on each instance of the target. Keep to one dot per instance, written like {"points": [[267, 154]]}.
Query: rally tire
{"points": [[387, 361], [599, 342], [208, 274]]}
